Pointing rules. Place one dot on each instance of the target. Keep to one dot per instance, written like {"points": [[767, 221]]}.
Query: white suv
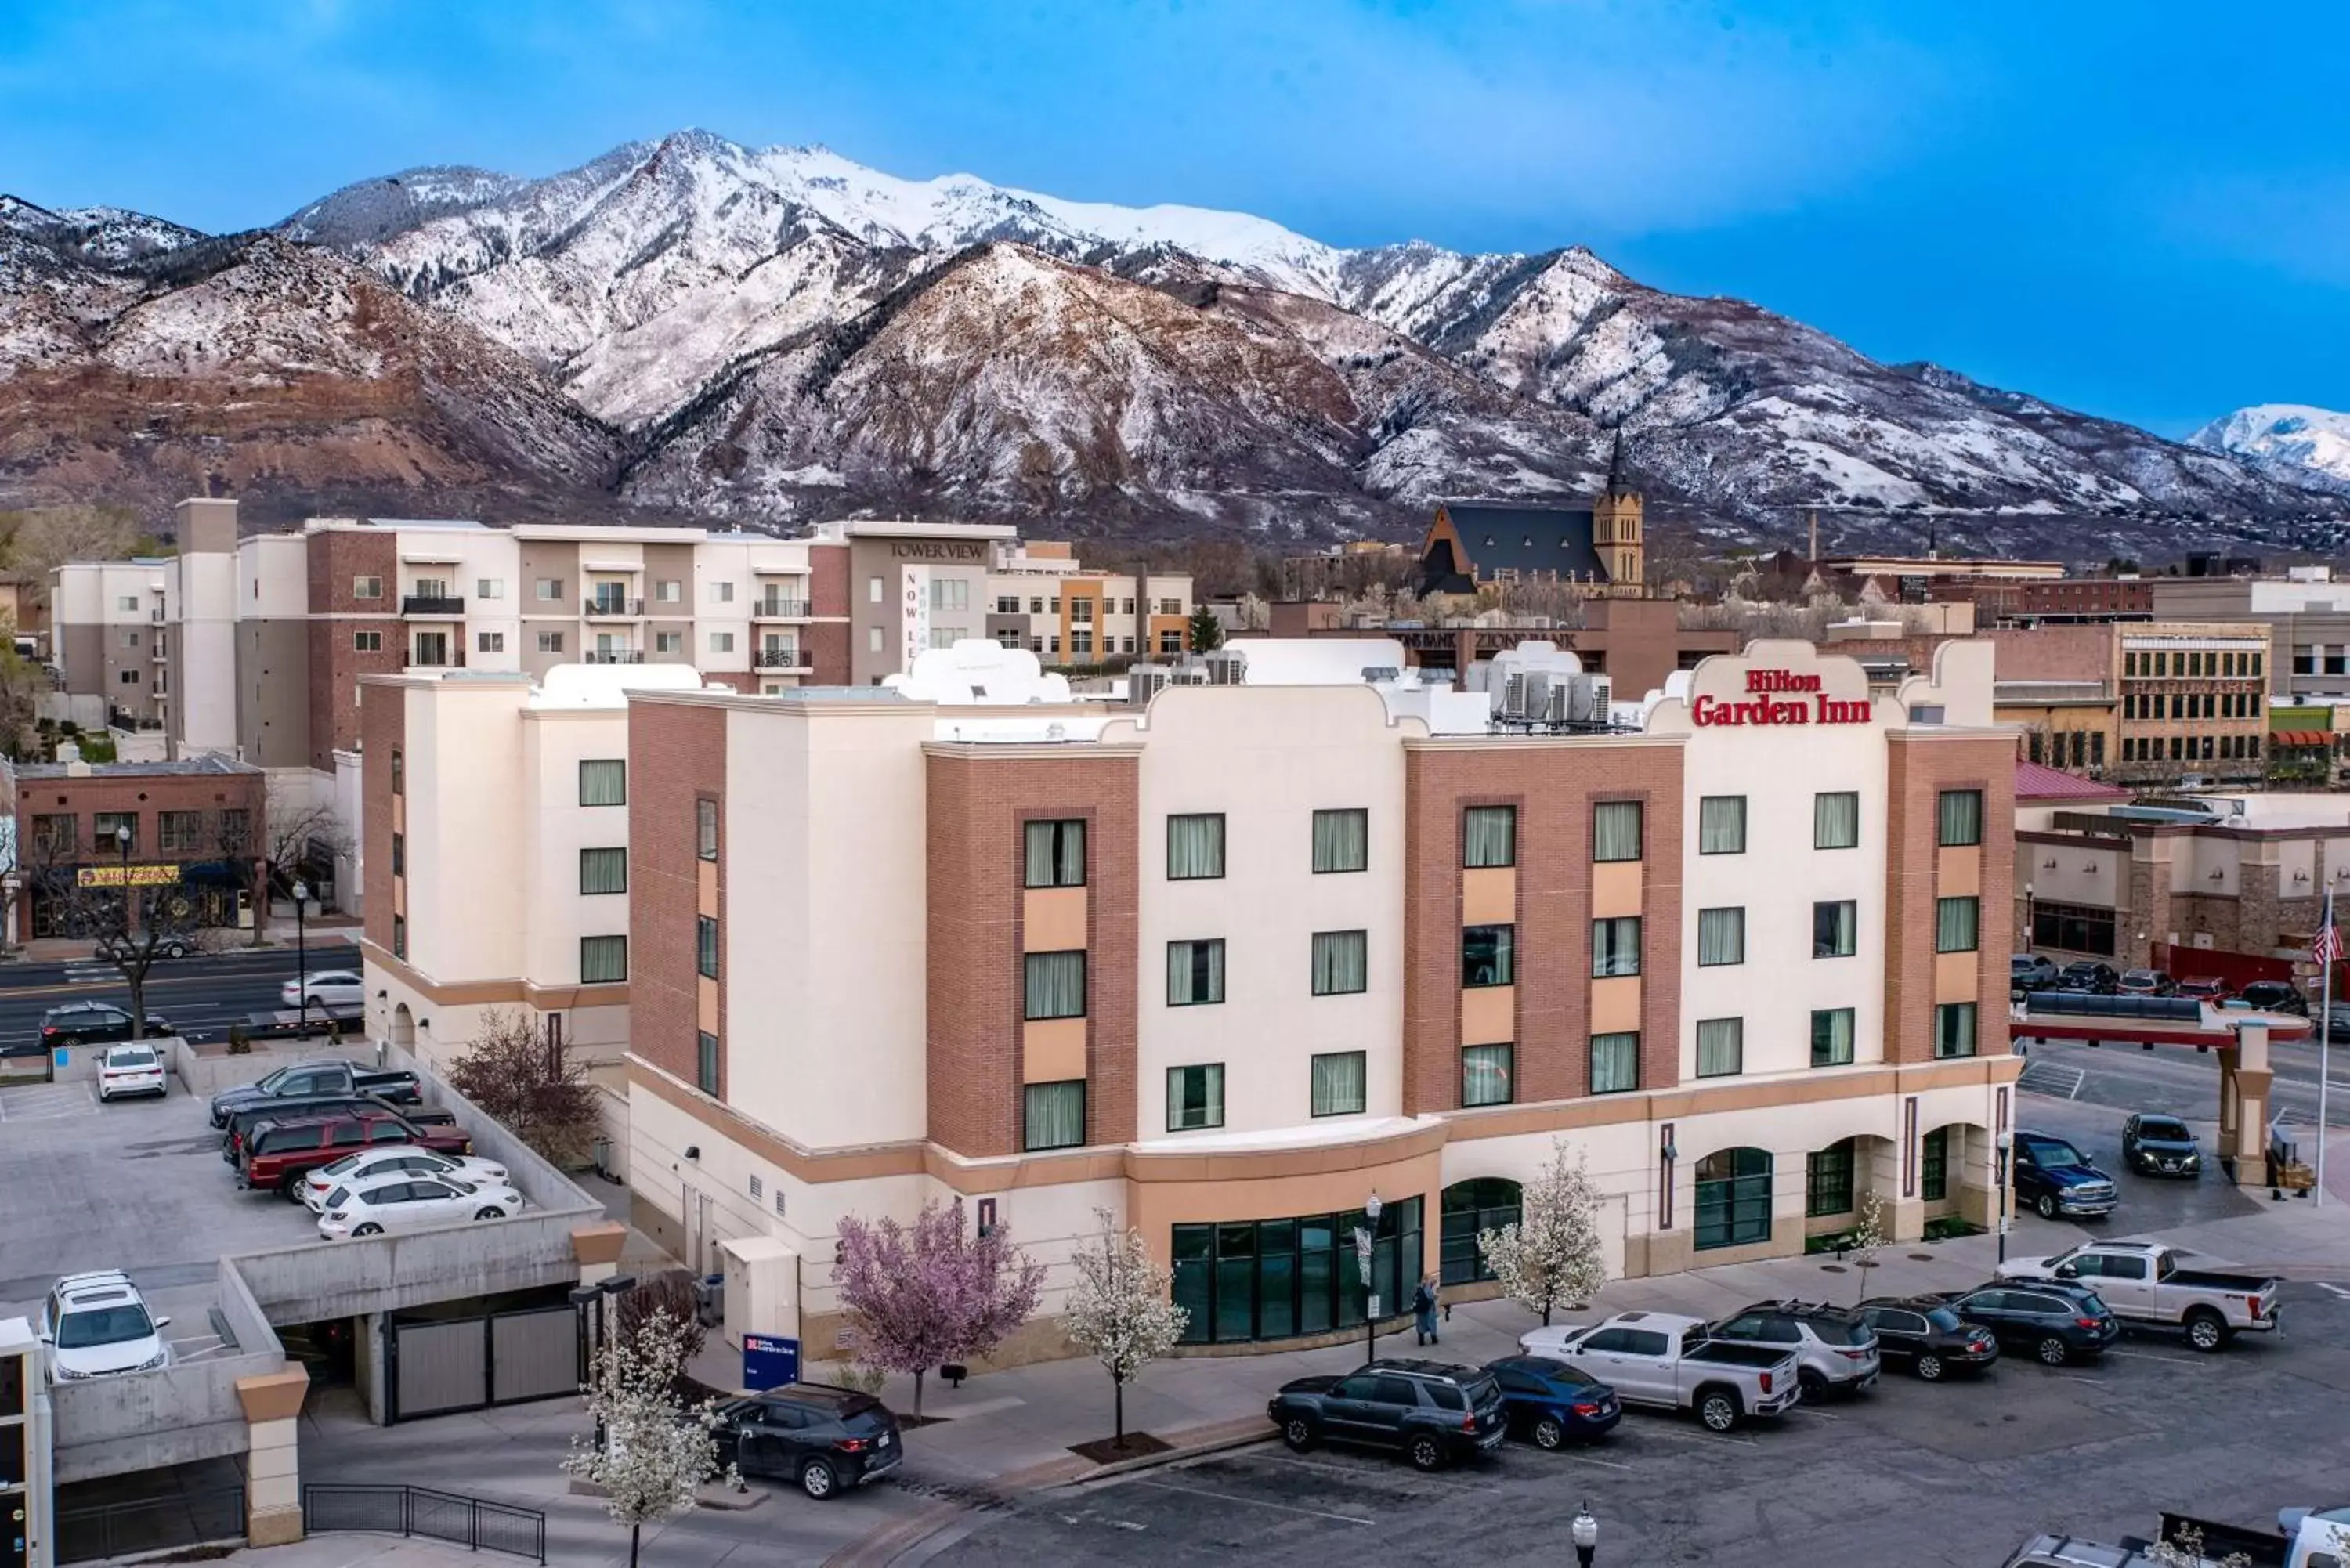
{"points": [[97, 1325]]}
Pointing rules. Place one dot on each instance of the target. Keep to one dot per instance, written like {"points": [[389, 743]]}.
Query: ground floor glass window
{"points": [[1486, 1204], [1275, 1279], [1734, 1197]]}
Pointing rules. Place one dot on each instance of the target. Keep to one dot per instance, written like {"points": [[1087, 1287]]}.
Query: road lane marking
{"points": [[2174, 1360], [1252, 1502], [1588, 1459], [2337, 1289]]}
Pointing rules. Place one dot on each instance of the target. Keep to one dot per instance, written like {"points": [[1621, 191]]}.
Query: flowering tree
{"points": [[1551, 1257], [1864, 1239], [2185, 1550], [933, 1293], [1119, 1310], [652, 1450]]}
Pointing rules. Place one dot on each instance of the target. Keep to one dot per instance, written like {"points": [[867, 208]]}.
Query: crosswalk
{"points": [[2052, 1079]]}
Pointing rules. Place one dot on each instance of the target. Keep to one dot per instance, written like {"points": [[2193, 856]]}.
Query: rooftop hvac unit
{"points": [[1190, 672], [1593, 696], [1513, 695], [1374, 674], [1144, 682], [1227, 667], [1559, 702], [1535, 700]]}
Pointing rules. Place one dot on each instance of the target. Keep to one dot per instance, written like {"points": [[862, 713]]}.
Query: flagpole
{"points": [[2326, 1045]]}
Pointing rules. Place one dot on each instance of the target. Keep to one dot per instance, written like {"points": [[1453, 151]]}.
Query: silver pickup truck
{"points": [[2145, 1283], [1657, 1359]]}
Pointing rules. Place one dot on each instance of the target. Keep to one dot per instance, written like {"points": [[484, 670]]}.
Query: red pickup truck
{"points": [[279, 1154]]}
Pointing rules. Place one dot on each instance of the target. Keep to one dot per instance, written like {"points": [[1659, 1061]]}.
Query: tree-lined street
{"points": [[202, 994]]}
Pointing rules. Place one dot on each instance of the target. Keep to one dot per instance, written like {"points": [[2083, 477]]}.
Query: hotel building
{"points": [[1227, 965]]}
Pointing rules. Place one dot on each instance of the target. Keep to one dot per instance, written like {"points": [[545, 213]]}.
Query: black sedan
{"points": [[1927, 1335], [2057, 1322], [2161, 1145], [89, 1023]]}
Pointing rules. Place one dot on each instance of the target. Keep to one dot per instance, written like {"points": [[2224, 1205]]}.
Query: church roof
{"points": [[1499, 537]]}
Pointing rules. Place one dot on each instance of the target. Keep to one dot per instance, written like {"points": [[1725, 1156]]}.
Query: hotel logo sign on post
{"points": [[1780, 697]]}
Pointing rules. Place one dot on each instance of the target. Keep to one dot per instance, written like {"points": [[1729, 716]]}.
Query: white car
{"points": [[405, 1202], [384, 1161], [327, 988], [134, 1069], [97, 1325]]}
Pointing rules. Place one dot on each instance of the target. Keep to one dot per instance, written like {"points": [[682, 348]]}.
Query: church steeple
{"points": [[1616, 525], [1617, 483]]}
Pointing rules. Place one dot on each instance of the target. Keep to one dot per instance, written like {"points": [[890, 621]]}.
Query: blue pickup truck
{"points": [[2057, 1181]]}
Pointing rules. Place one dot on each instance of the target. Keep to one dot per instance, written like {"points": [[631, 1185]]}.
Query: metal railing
{"points": [[616, 656], [467, 1522], [431, 604], [150, 1524], [779, 658], [615, 606], [779, 609]]}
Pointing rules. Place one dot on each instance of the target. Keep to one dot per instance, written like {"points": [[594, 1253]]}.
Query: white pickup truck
{"points": [[1657, 1359], [2145, 1283]]}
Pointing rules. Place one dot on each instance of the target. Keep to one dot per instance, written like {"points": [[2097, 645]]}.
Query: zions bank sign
{"points": [[1780, 697]]}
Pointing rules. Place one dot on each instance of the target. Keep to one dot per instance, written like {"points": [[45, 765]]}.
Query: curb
{"points": [[1220, 1437]]}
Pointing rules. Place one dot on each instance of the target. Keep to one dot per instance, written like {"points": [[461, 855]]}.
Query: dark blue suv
{"points": [[2057, 1321], [1551, 1403]]}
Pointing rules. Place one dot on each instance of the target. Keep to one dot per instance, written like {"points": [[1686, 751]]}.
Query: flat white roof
{"points": [[607, 685]]}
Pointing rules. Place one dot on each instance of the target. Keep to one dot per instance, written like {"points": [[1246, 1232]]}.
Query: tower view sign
{"points": [[1780, 697]]}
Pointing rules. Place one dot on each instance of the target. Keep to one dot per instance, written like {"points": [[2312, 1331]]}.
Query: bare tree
{"points": [[132, 915], [527, 1081], [666, 1303], [300, 833]]}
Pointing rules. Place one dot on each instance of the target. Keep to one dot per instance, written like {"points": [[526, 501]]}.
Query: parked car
{"points": [[96, 1324], [2145, 1283], [1553, 1403], [241, 1125], [2088, 974], [327, 988], [383, 1160], [1668, 1362], [1433, 1412], [2209, 990], [413, 1203], [93, 1022], [2057, 1179], [819, 1438], [120, 948], [2274, 996], [1835, 1351], [300, 1080], [2337, 1020], [2161, 1145], [2146, 982], [1929, 1337], [277, 1155], [131, 1069], [2031, 972], [2059, 1323]]}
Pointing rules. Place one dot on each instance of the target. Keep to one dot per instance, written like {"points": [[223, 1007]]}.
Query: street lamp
{"points": [[589, 1309], [1366, 1239], [2006, 1142], [1584, 1533], [122, 843], [302, 951], [2030, 942]]}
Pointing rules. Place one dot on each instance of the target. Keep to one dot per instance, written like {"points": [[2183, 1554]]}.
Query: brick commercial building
{"points": [[83, 830], [1229, 964]]}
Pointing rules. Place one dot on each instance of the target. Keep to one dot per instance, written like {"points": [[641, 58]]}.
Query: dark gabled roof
{"points": [[1501, 537]]}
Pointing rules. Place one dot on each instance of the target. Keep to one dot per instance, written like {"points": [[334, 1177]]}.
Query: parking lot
{"points": [[135, 1185], [1909, 1474]]}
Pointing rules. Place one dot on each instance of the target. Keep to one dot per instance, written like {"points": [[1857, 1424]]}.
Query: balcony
{"points": [[614, 606], [778, 658], [443, 606], [156, 614], [616, 656], [775, 608]]}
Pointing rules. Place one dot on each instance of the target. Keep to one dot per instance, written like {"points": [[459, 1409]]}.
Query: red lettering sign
{"points": [[1810, 703]]}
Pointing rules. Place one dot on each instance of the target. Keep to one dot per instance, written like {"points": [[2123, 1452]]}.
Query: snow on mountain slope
{"points": [[2289, 442]]}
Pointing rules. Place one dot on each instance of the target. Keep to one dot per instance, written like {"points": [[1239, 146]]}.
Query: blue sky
{"points": [[2139, 209]]}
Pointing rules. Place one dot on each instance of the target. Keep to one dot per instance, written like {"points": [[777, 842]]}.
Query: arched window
{"points": [[1485, 1203], [1734, 1197], [1827, 1180]]}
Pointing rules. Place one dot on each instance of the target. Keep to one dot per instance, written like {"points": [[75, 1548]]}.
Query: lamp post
{"points": [[588, 1308], [2029, 941], [2006, 1142], [122, 843], [1366, 1239], [302, 951], [1584, 1533]]}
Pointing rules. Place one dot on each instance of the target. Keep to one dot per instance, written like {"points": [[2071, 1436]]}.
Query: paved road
{"points": [[202, 995], [2182, 1081]]}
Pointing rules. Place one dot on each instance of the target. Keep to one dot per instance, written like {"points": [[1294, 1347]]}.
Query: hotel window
{"points": [[603, 960], [1340, 1084], [1342, 840], [399, 773], [705, 1061], [1835, 929], [1721, 825], [489, 588], [106, 825], [366, 642], [1485, 1076], [1934, 1175], [722, 642], [490, 642], [705, 829], [1721, 1047], [1195, 972], [1962, 817], [1053, 1116], [1488, 835], [1954, 1029], [1835, 820], [1831, 1037], [550, 642], [361, 588], [178, 832], [1733, 1198], [549, 589], [1721, 936], [1616, 830], [1486, 957], [604, 782], [1195, 847], [1341, 962], [1616, 947], [1055, 853], [1827, 1180], [1195, 1097], [1955, 922], [1615, 1062], [601, 871], [1054, 985], [399, 935]]}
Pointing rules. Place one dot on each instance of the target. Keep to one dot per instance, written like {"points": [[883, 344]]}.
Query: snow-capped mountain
{"points": [[770, 333], [2289, 442]]}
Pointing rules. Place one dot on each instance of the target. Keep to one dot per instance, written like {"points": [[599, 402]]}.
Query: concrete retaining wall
{"points": [[109, 1426], [205, 1075]]}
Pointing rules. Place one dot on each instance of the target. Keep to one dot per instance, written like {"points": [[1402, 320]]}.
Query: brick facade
{"points": [[677, 754], [146, 796], [826, 636], [338, 558], [1918, 770]]}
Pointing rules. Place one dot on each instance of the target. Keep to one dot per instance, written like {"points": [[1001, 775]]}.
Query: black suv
{"points": [[2088, 974], [2274, 996], [817, 1436], [81, 1022], [1927, 1335], [1434, 1411], [2161, 1145], [2059, 1322]]}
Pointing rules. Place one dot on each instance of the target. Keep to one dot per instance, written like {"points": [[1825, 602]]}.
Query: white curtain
{"points": [[603, 871], [1341, 962], [1720, 936], [1615, 1062], [1195, 972], [1835, 929], [1835, 821], [1720, 1047], [1056, 854], [1056, 985], [1961, 817], [604, 782], [1616, 830], [1954, 1029], [1721, 825], [1195, 846], [1485, 1076], [1616, 947], [1195, 1097], [1342, 840], [1338, 1083], [1955, 921], [1831, 1037], [1490, 835], [603, 959], [1056, 1114]]}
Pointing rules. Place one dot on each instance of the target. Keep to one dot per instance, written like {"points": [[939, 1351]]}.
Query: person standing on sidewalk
{"points": [[1423, 1307]]}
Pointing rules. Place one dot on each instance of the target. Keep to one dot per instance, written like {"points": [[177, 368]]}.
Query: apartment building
{"points": [[1230, 964], [1039, 598]]}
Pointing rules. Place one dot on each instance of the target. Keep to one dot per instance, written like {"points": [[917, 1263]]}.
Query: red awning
{"points": [[2301, 738]]}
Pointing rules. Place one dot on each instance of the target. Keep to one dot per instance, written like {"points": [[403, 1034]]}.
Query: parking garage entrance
{"points": [[460, 1355]]}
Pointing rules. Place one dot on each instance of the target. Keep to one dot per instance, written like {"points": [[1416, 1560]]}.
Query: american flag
{"points": [[2327, 948]]}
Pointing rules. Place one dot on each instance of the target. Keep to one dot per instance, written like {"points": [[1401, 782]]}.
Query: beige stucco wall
{"points": [[554, 827]]}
